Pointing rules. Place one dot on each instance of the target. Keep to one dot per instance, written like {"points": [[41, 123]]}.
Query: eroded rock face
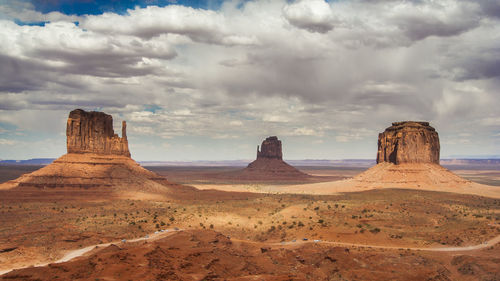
{"points": [[92, 132], [408, 142], [270, 149]]}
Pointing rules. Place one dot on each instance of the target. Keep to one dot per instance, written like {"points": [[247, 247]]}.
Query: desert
{"points": [[348, 140], [95, 213]]}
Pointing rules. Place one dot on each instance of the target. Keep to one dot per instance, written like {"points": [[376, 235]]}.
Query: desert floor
{"points": [[387, 234]]}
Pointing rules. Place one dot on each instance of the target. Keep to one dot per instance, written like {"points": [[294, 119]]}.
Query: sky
{"points": [[209, 80]]}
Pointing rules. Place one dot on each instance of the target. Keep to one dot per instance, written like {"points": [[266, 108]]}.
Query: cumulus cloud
{"points": [[199, 25], [341, 71], [419, 20], [7, 142], [24, 12], [311, 15]]}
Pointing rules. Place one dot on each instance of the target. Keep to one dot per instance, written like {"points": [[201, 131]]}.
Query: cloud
{"points": [[311, 15], [490, 8], [7, 142], [305, 132], [199, 25], [342, 70], [419, 20], [25, 12]]}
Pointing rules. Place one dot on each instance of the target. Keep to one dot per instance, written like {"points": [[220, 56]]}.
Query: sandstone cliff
{"points": [[407, 157], [270, 149], [98, 160], [92, 132], [408, 142]]}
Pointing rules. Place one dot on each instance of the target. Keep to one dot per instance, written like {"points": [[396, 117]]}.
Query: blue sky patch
{"points": [[87, 7], [36, 23]]}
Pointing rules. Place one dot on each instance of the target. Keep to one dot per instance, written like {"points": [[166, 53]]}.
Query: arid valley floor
{"points": [[251, 231]]}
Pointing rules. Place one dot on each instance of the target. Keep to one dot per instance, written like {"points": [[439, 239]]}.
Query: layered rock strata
{"points": [[408, 157], [408, 142], [97, 158], [92, 132]]}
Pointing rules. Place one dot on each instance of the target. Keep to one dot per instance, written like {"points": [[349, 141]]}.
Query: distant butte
{"points": [[97, 158], [270, 149], [408, 142], [269, 164]]}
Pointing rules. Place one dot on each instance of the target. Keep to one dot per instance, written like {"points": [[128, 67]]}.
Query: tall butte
{"points": [[97, 159], [408, 157], [408, 142], [92, 132], [269, 164]]}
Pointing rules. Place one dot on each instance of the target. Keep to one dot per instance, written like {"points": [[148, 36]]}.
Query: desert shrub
{"points": [[375, 230]]}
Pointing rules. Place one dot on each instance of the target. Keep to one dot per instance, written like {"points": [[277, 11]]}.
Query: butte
{"points": [[408, 158], [269, 164], [97, 159]]}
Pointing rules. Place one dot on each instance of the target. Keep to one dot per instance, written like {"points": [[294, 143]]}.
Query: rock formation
{"points": [[97, 158], [270, 149], [408, 142], [269, 164], [92, 132], [408, 157]]}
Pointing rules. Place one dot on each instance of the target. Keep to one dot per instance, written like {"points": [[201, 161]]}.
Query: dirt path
{"points": [[80, 252], [486, 244], [157, 235]]}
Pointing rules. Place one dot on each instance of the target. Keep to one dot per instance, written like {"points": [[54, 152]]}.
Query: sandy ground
{"points": [[72, 254], [337, 187], [205, 255], [410, 176], [380, 213]]}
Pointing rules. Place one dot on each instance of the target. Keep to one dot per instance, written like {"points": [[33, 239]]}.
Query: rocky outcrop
{"points": [[270, 149], [269, 164], [98, 160], [408, 157], [92, 132], [408, 142]]}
